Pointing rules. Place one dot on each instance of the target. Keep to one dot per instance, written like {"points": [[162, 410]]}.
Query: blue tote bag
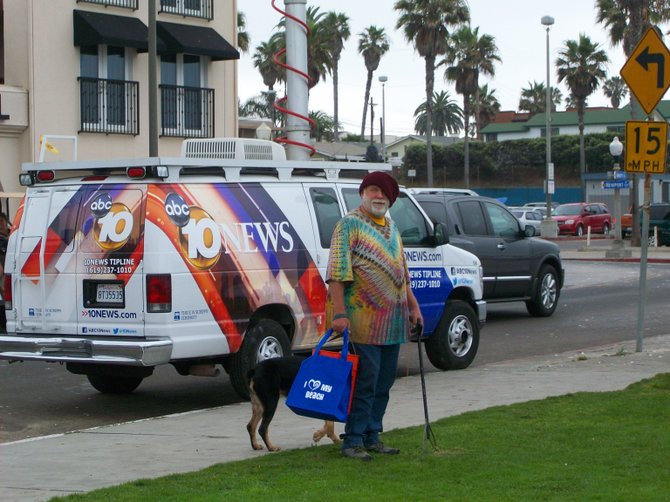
{"points": [[324, 384]]}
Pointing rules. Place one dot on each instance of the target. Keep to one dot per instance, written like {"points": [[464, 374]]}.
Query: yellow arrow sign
{"points": [[647, 70], [646, 146]]}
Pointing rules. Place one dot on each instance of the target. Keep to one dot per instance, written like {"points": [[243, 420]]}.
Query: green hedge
{"points": [[515, 162]]}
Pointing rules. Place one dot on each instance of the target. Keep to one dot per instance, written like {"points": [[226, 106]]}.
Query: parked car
{"points": [[575, 219], [528, 216], [659, 223], [517, 266], [543, 204]]}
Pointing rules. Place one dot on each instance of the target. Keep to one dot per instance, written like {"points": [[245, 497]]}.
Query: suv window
{"points": [[411, 223], [503, 222], [472, 217]]}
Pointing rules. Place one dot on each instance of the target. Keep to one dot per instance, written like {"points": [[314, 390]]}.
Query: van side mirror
{"points": [[440, 234]]}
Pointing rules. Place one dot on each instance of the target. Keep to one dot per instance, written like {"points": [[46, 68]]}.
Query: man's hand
{"points": [[339, 325]]}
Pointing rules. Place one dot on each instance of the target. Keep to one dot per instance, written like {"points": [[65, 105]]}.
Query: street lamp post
{"points": [[549, 226], [383, 79], [617, 251]]}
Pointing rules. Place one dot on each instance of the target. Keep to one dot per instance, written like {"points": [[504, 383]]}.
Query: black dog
{"points": [[267, 381]]}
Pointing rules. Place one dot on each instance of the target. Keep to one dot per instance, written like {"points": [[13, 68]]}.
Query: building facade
{"points": [[79, 69]]}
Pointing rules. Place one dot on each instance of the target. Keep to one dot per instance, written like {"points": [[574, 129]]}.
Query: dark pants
{"points": [[377, 367]]}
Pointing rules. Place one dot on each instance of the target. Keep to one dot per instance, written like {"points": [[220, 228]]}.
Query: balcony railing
{"points": [[128, 4], [187, 112], [109, 106], [189, 8]]}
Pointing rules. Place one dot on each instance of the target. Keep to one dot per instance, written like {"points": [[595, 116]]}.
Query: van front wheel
{"points": [[265, 340], [110, 384], [454, 343]]}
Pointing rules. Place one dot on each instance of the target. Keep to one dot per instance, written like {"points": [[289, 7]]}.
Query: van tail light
{"points": [[7, 292], [159, 293], [136, 172], [45, 176]]}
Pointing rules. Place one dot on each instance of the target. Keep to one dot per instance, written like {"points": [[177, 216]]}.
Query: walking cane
{"points": [[427, 435]]}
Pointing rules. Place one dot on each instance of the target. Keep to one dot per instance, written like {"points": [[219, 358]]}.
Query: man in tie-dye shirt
{"points": [[369, 293]]}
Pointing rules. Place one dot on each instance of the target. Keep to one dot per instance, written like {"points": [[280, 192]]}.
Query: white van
{"points": [[214, 258]]}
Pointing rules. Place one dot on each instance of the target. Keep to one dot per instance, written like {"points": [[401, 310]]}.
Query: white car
{"points": [[528, 216], [445, 191]]}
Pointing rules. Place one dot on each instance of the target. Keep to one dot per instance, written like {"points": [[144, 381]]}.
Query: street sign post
{"points": [[647, 70], [646, 146]]}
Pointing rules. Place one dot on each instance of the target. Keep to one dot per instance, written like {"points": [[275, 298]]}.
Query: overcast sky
{"points": [[515, 24]]}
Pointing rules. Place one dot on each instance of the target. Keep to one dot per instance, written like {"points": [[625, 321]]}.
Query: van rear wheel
{"points": [[109, 384], [265, 340]]}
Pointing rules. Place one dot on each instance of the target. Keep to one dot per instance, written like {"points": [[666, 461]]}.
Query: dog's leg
{"points": [[256, 414], [268, 414], [328, 429]]}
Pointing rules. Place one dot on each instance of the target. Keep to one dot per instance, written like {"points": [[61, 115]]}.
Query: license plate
{"points": [[109, 293]]}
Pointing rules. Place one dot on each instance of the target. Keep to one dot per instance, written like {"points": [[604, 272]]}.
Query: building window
{"points": [[109, 102], [554, 132], [190, 8], [127, 4], [187, 107], [617, 128]]}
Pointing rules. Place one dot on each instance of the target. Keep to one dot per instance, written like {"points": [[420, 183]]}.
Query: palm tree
{"points": [[323, 128], [481, 53], [426, 24], [626, 21], [243, 39], [616, 89], [469, 55], [271, 72], [447, 116], [581, 65], [489, 105], [373, 43], [337, 29], [319, 62], [534, 97]]}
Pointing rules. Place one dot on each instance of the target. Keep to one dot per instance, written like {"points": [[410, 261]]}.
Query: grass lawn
{"points": [[609, 446]]}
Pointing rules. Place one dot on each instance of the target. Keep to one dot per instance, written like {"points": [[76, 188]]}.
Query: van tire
{"points": [[454, 343], [109, 384], [265, 340], [545, 298]]}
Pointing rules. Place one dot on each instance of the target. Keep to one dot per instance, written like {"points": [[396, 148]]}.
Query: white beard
{"points": [[375, 207]]}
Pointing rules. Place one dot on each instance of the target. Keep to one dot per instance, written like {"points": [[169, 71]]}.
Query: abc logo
{"points": [[113, 230], [101, 205], [177, 210], [200, 240]]}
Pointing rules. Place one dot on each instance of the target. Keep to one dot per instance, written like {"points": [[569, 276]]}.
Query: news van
{"points": [[215, 258]]}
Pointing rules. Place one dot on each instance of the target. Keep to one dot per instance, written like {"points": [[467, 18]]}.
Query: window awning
{"points": [[92, 28], [197, 40]]}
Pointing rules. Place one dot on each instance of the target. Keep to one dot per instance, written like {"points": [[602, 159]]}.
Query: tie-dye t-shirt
{"points": [[369, 260]]}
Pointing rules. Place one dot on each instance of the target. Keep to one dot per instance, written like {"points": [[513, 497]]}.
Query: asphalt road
{"points": [[598, 305]]}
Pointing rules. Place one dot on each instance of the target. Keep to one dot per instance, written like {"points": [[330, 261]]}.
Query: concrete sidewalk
{"points": [[40, 468]]}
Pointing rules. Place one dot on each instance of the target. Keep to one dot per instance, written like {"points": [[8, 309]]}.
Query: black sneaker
{"points": [[357, 452], [380, 448]]}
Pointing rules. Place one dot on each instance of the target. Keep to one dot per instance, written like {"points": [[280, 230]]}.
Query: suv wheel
{"points": [[606, 229], [545, 299], [580, 231], [454, 343], [265, 340]]}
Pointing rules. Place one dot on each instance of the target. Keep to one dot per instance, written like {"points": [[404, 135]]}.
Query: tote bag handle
{"points": [[345, 342]]}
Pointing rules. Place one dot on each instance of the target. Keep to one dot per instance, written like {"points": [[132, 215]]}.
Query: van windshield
{"points": [[567, 210]]}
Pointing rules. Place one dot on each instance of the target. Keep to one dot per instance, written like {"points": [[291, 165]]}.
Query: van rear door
{"points": [[109, 261], [45, 291]]}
